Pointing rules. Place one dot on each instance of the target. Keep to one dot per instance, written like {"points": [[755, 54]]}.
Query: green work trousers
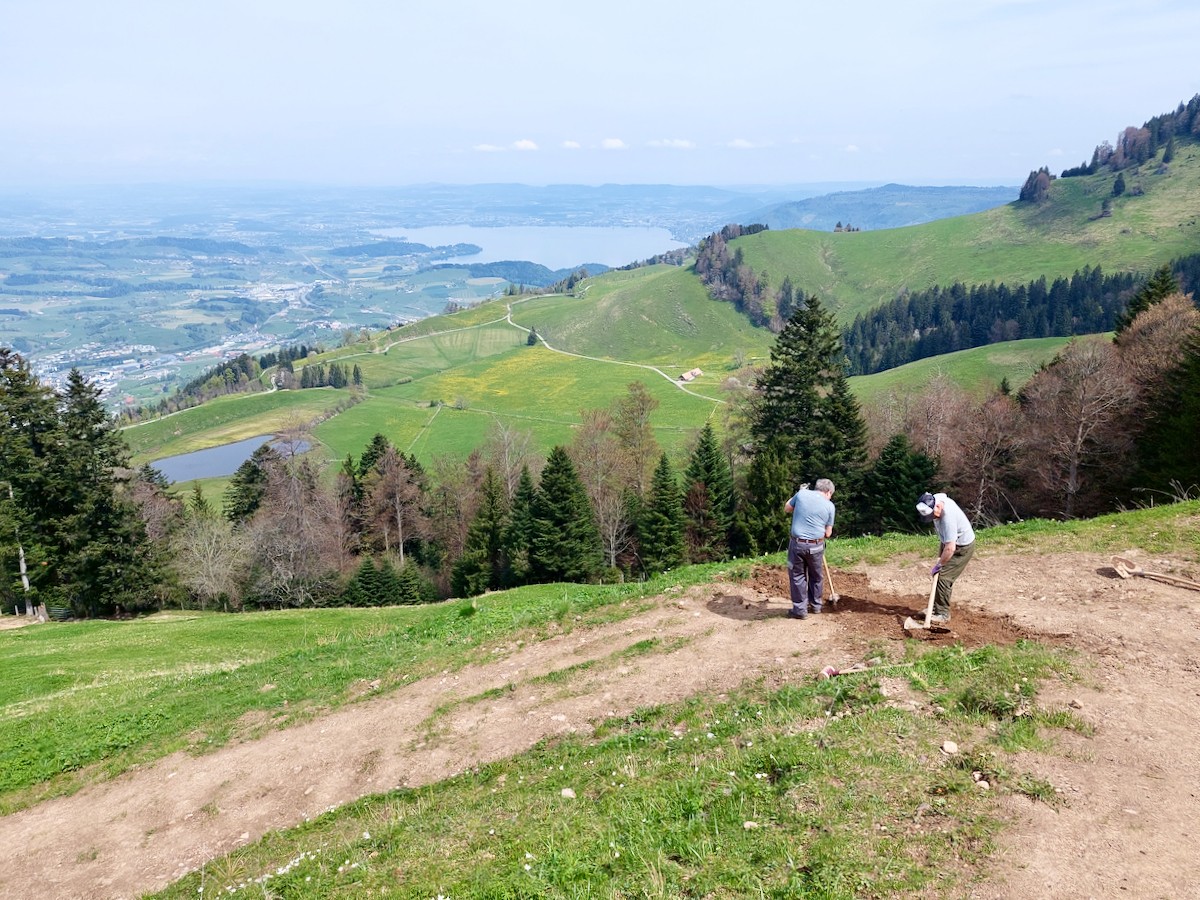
{"points": [[948, 575]]}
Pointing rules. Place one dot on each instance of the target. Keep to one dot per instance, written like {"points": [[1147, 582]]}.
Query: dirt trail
{"points": [[1127, 828]]}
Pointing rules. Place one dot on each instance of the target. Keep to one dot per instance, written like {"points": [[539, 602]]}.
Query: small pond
{"points": [[215, 462]]}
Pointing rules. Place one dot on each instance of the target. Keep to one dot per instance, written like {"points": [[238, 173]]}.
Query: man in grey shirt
{"points": [[812, 522], [957, 544]]}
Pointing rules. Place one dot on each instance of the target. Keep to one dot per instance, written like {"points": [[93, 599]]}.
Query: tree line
{"points": [[242, 374], [1135, 146], [1108, 424]]}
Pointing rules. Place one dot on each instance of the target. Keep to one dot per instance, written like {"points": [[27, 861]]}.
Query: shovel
{"points": [[834, 597], [1127, 568], [911, 624]]}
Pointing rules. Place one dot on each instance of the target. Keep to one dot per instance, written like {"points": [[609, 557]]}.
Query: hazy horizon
{"points": [[371, 93]]}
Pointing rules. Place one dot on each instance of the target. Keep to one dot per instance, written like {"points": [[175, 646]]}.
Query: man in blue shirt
{"points": [[957, 544], [812, 522]]}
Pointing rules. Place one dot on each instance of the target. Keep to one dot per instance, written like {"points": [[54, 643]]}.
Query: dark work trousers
{"points": [[948, 575], [805, 575]]}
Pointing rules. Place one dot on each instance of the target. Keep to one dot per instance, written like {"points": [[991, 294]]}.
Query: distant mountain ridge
{"points": [[889, 206]]}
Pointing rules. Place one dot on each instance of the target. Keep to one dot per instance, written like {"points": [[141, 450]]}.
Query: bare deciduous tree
{"points": [[932, 417], [394, 503], [1075, 408], [212, 560], [886, 417], [1154, 342], [635, 436], [293, 536], [604, 470], [990, 439], [507, 451]]}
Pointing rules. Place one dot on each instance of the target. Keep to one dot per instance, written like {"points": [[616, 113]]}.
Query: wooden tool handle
{"points": [[929, 608]]}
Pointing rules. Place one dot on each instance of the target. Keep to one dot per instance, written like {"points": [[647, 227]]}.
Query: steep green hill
{"points": [[1154, 221], [659, 316]]}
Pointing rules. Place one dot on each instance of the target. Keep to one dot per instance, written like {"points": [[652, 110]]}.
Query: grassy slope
{"points": [[661, 316], [225, 420], [531, 388], [980, 369], [1015, 244], [87, 700]]}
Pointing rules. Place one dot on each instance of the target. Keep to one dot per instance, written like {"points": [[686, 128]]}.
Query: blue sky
{"points": [[550, 91]]}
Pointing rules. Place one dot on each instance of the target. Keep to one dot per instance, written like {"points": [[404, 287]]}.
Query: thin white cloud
{"points": [[852, 148], [673, 144], [613, 144], [524, 144], [487, 148], [741, 144], [1057, 151], [571, 145]]}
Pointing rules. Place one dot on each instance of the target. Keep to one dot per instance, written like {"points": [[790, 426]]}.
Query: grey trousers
{"points": [[805, 575]]}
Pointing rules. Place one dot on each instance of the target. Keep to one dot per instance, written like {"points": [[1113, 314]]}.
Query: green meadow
{"points": [[660, 316], [978, 370], [227, 419], [532, 389]]}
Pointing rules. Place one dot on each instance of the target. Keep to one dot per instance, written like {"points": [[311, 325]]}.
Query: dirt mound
{"points": [[1127, 827]]}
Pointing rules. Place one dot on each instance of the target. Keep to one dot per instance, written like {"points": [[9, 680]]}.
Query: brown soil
{"points": [[1127, 826]]}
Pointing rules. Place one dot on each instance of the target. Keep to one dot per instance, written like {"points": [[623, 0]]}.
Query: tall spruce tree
{"points": [[660, 526], [518, 536], [1168, 464], [761, 520], [29, 436], [708, 500], [246, 489], [483, 565], [566, 541], [103, 559], [805, 424]]}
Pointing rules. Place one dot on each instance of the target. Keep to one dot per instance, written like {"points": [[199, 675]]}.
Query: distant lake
{"points": [[553, 246], [215, 462]]}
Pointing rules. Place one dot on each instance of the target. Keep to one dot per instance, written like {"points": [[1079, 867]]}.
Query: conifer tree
{"points": [[410, 587], [363, 588], [518, 536], [660, 529], [899, 475], [248, 486], [761, 519], [482, 567], [395, 589], [565, 544], [1161, 285], [371, 455], [708, 499], [1168, 463], [103, 558], [806, 423], [198, 504], [29, 435]]}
